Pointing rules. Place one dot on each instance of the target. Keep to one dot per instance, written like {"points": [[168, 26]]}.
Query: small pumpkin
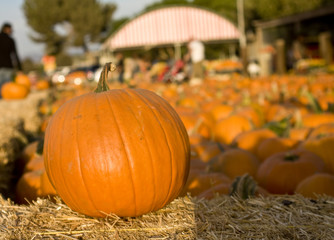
{"points": [[23, 79], [316, 184], [220, 189], [270, 146], [250, 140], [36, 163], [225, 130], [206, 150], [121, 151], [220, 111], [299, 133], [28, 187], [42, 84], [200, 181], [322, 145], [235, 162], [316, 119], [12, 90]]}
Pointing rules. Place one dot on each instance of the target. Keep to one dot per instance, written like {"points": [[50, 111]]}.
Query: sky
{"points": [[11, 11]]}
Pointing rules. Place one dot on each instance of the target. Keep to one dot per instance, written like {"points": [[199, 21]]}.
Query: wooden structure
{"points": [[316, 26]]}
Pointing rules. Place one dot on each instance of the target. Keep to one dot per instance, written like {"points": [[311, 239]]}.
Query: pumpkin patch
{"points": [[129, 151]]}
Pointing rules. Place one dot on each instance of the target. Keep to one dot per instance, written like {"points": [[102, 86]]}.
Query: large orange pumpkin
{"points": [[121, 151], [282, 172]]}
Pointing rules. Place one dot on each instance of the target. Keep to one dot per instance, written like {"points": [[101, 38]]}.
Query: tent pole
{"points": [[177, 47]]}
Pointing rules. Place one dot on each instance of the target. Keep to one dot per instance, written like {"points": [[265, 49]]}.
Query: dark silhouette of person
{"points": [[9, 59]]}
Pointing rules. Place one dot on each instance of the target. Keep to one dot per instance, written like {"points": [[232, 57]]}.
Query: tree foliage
{"points": [[62, 23], [254, 9], [268, 9]]}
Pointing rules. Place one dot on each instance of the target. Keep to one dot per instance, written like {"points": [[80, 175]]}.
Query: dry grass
{"points": [[224, 217]]}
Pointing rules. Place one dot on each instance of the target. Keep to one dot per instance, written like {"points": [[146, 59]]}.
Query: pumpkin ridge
{"points": [[60, 153], [180, 127], [144, 100], [94, 98], [148, 147], [79, 155], [126, 151]]}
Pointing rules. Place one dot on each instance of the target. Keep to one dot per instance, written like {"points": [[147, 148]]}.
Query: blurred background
{"points": [[58, 36]]}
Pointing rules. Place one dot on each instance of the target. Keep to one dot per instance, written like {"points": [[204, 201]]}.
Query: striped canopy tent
{"points": [[172, 26]]}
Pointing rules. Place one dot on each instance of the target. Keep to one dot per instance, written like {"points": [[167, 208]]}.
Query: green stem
{"points": [[102, 85]]}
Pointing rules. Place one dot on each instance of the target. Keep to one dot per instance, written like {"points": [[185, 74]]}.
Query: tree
{"points": [[63, 23], [164, 3], [226, 8], [268, 9], [116, 24]]}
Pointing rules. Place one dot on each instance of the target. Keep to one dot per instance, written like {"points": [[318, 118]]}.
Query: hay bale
{"points": [[46, 220], [12, 140], [25, 110], [224, 217]]}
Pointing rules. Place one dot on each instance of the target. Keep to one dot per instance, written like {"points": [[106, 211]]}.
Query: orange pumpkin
{"points": [[316, 184], [36, 163], [316, 119], [299, 133], [23, 80], [322, 145], [28, 187], [220, 111], [235, 162], [29, 152], [225, 130], [11, 90], [206, 150], [270, 146], [250, 140], [282, 172], [200, 181], [42, 84], [220, 189], [322, 130], [121, 151]]}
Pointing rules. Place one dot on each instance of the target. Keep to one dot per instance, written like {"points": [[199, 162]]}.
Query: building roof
{"points": [[170, 25]]}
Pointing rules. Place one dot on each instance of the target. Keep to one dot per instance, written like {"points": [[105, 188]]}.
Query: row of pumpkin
{"points": [[21, 86], [276, 131]]}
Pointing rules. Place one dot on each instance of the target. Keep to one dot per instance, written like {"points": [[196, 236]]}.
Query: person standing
{"points": [[9, 58], [120, 66], [197, 52]]}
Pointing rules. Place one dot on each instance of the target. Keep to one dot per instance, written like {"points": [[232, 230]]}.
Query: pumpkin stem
{"points": [[102, 85], [243, 187], [290, 157]]}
